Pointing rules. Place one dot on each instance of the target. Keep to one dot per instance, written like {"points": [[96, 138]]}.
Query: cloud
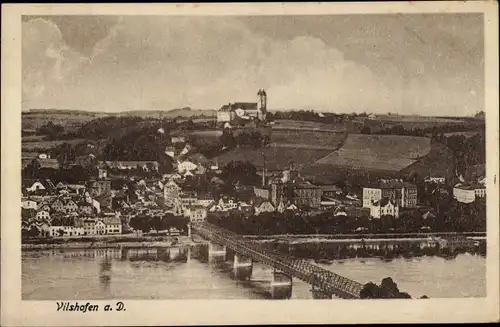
{"points": [[165, 62]]}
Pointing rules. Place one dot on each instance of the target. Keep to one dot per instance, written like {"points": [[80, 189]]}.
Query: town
{"points": [[395, 180]]}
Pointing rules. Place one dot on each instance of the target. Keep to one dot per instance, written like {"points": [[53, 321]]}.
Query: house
{"points": [[61, 185], [61, 231], [39, 185], [101, 186], [170, 151], [177, 139], [480, 190], [89, 226], [330, 190], [339, 212], [102, 173], [49, 163], [100, 227], [435, 180], [292, 207], [371, 116], [58, 205], [86, 209], [245, 207], [70, 206], [384, 207], [204, 200], [301, 194], [185, 166], [129, 165], [29, 204], [266, 206], [402, 193], [44, 206], [228, 204], [196, 213], [262, 192], [187, 200], [113, 225], [281, 207], [76, 188], [188, 173], [467, 193], [173, 177], [42, 215], [171, 191], [43, 227]]}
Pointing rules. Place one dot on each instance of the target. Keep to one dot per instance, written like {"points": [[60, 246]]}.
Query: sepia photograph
{"points": [[246, 156]]}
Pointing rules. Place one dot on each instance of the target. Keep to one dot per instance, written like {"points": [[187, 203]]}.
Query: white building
{"points": [[42, 215], [266, 206], [437, 180], [36, 186], [384, 207], [185, 166], [244, 110], [29, 204], [196, 213], [61, 231], [402, 193], [468, 193]]}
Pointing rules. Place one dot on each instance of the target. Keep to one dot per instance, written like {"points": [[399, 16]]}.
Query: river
{"points": [[184, 273]]}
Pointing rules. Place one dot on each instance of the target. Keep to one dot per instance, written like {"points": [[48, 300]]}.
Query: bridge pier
{"points": [[281, 286], [242, 267], [216, 252]]}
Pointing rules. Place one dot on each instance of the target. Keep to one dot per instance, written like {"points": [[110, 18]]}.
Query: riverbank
{"points": [[386, 236], [171, 241], [153, 242]]}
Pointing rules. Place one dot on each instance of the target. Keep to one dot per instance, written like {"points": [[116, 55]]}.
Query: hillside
{"points": [[72, 119]]}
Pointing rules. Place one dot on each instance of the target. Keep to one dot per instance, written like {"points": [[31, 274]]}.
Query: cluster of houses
{"points": [[68, 215], [94, 207]]}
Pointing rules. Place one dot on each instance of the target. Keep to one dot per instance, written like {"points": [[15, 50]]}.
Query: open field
{"points": [[351, 127], [381, 152], [277, 158], [70, 122], [413, 122], [300, 137], [30, 146], [288, 138], [419, 119]]}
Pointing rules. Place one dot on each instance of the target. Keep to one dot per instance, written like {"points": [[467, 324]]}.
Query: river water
{"points": [[185, 273]]}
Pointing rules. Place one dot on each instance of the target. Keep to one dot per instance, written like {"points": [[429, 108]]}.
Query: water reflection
{"points": [[187, 273]]}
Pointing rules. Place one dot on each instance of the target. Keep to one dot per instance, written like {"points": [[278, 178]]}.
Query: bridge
{"points": [[325, 284]]}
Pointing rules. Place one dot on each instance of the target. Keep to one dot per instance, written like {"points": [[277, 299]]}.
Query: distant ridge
{"points": [[182, 112]]}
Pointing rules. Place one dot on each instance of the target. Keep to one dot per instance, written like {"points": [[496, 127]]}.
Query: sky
{"points": [[425, 64]]}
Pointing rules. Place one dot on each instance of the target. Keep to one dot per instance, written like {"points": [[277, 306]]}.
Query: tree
{"points": [[155, 223], [365, 130], [239, 171], [227, 139], [140, 223], [27, 214], [167, 221], [33, 232]]}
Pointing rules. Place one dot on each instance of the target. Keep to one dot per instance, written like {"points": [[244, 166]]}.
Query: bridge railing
{"points": [[323, 279]]}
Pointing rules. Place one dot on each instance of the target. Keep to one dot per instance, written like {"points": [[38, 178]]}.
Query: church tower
{"points": [[262, 104]]}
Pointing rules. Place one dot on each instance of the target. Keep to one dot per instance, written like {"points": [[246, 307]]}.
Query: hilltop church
{"points": [[244, 110]]}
